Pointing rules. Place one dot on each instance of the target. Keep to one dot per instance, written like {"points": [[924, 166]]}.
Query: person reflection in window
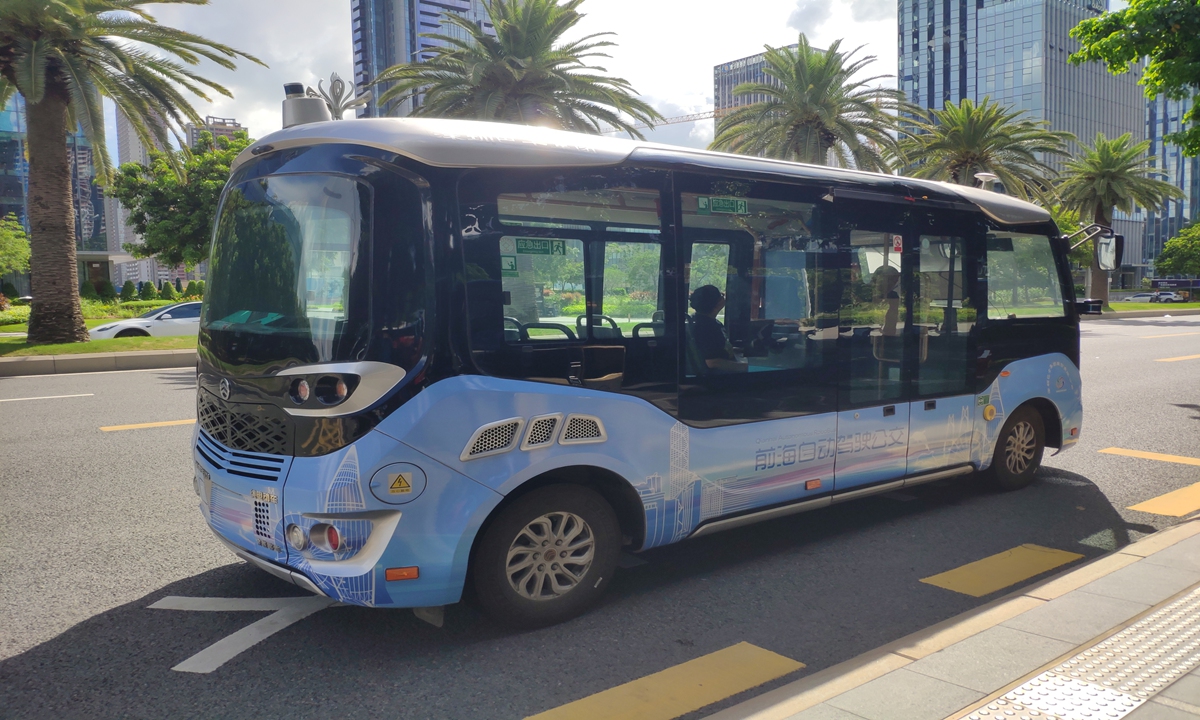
{"points": [[887, 285], [708, 332]]}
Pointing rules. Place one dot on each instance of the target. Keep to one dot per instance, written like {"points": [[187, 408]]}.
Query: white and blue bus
{"points": [[441, 353]]}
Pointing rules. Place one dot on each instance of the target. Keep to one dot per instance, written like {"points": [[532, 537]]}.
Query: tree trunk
{"points": [[55, 315], [1097, 278]]}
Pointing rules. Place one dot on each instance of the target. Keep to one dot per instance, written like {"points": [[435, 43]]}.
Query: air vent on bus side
{"points": [[542, 430], [581, 429], [493, 439]]}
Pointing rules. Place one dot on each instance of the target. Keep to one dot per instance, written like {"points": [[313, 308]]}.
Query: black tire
{"points": [[132, 333], [1019, 450], [543, 513]]}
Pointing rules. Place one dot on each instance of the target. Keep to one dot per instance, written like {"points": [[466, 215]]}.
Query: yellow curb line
{"points": [[802, 694]]}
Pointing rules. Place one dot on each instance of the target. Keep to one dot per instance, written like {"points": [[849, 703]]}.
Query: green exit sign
{"points": [[721, 206]]}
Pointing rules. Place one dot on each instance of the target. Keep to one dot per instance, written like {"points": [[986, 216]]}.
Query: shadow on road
{"points": [[819, 587]]}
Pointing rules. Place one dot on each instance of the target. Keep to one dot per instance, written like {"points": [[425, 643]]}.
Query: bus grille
{"points": [[251, 428], [247, 465]]}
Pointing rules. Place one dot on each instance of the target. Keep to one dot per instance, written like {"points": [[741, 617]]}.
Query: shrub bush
{"points": [[168, 291], [574, 310], [14, 315], [142, 306], [4, 304], [107, 292], [128, 291], [149, 292], [191, 290], [9, 290], [87, 291], [200, 286]]}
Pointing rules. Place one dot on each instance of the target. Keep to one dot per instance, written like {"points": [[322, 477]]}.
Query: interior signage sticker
{"points": [[722, 206], [540, 246], [508, 266]]}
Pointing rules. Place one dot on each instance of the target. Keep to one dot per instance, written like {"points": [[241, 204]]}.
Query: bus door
{"points": [[873, 402], [758, 379], [941, 340]]}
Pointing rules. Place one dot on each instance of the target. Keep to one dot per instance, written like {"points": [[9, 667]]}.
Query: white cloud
{"points": [[810, 15], [665, 48]]}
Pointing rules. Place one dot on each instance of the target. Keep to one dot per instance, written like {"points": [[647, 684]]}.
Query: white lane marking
{"points": [[289, 611], [214, 604], [48, 397], [188, 368]]}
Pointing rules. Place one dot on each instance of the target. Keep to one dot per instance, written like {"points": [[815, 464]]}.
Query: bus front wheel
{"points": [[547, 557], [1018, 450]]}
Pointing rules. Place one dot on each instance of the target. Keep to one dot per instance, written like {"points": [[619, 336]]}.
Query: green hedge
{"points": [[15, 315]]}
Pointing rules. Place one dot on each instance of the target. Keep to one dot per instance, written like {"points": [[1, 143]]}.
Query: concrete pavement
{"points": [[1118, 637]]}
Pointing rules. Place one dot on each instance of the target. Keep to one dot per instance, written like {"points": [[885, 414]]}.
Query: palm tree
{"points": [[1112, 174], [525, 74], [62, 56], [958, 141], [814, 108]]}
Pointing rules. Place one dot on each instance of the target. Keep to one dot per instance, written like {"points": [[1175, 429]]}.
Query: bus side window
{"points": [[761, 323], [1022, 278], [942, 316]]}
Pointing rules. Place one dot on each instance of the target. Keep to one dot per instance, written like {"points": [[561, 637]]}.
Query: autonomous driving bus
{"points": [[442, 355]]}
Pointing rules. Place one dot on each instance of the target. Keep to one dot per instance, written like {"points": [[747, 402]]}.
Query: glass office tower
{"points": [[727, 76], [92, 247], [388, 32], [1164, 116], [1016, 53]]}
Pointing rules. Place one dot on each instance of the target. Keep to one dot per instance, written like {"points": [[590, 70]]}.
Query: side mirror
{"points": [[1109, 251], [165, 316]]}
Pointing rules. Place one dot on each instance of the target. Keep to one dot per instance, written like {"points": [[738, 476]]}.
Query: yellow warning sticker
{"points": [[400, 483]]}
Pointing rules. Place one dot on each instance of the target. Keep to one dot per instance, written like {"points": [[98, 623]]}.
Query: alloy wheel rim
{"points": [[1019, 448], [550, 556]]}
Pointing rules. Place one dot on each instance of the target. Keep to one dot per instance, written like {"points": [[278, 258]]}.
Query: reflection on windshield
{"points": [[285, 248]]}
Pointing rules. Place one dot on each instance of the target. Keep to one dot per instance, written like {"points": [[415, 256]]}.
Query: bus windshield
{"points": [[285, 251]]}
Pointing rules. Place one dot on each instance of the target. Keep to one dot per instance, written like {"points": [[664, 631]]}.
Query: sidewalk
{"points": [[1116, 638], [96, 362]]}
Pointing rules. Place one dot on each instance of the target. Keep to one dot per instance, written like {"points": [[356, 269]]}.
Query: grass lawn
{"points": [[15, 347], [24, 327], [1165, 307]]}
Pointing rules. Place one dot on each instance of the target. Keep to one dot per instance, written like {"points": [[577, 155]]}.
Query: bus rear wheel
{"points": [[1019, 450], [547, 557]]}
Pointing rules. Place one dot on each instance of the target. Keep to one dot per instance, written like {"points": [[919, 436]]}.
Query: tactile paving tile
{"points": [[1113, 678]]}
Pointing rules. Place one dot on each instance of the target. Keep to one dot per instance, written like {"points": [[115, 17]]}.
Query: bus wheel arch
{"points": [[1019, 448], [619, 493], [613, 489], [1051, 419]]}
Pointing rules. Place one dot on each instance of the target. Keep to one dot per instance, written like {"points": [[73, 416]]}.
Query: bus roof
{"points": [[478, 144]]}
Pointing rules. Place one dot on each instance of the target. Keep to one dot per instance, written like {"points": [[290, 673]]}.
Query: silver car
{"points": [[180, 319]]}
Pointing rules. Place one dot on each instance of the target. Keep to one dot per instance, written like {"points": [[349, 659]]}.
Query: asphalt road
{"points": [[96, 526]]}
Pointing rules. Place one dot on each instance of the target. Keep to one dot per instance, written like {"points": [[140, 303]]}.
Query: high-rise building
{"points": [[219, 127], [94, 250], [388, 32], [131, 149], [1015, 52], [1163, 117], [727, 76]]}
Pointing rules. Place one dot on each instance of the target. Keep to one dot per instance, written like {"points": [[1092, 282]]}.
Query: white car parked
{"points": [[180, 319]]}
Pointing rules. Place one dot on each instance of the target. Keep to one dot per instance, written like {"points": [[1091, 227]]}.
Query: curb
{"points": [[800, 695], [96, 362], [1119, 314]]}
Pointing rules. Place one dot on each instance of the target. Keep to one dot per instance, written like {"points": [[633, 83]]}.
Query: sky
{"points": [[665, 48]]}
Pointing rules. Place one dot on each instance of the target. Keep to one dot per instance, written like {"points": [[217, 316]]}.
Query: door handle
{"points": [[889, 410]]}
